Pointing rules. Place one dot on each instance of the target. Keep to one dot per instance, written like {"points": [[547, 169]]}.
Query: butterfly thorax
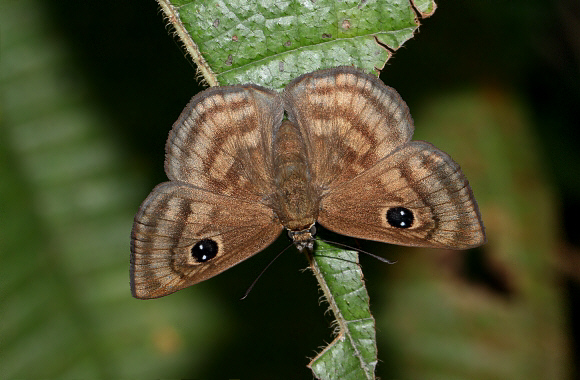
{"points": [[296, 201]]}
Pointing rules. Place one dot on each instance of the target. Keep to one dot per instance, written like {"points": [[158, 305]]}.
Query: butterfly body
{"points": [[239, 175], [296, 201]]}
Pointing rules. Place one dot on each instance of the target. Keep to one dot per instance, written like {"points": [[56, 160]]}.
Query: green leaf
{"points": [[353, 353], [271, 43], [425, 7]]}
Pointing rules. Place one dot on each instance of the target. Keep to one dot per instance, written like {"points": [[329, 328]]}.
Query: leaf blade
{"points": [[248, 42], [353, 353]]}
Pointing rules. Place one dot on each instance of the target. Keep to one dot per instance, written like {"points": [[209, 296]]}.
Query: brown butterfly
{"points": [[239, 175]]}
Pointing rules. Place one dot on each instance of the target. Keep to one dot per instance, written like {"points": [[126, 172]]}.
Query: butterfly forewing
{"points": [[223, 141], [349, 120], [417, 196]]}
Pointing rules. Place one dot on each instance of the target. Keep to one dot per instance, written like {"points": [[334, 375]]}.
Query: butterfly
{"points": [[240, 173]]}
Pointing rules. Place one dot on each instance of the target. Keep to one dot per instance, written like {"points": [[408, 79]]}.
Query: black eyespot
{"points": [[204, 250], [400, 217]]}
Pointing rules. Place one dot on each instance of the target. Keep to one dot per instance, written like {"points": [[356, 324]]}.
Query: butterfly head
{"points": [[304, 238]]}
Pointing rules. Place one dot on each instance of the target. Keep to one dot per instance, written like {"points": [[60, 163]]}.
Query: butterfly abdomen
{"points": [[296, 201]]}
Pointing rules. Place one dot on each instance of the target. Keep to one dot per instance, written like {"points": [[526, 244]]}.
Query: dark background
{"points": [[138, 76]]}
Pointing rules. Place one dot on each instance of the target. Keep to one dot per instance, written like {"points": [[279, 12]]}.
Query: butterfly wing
{"points": [[211, 215], [166, 253], [222, 142], [349, 121], [416, 196]]}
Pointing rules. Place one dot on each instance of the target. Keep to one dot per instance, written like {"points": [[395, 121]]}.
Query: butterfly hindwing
{"points": [[177, 216], [430, 201]]}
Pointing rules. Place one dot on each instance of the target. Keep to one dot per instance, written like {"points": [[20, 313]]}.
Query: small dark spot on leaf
{"points": [[288, 43], [326, 35], [345, 24], [216, 23], [361, 4], [235, 38], [281, 66], [229, 60]]}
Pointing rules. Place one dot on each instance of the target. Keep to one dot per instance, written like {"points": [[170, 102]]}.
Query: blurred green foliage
{"points": [[89, 91]]}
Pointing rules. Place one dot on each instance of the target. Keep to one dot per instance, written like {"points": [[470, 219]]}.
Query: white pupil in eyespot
{"points": [[204, 250], [400, 217]]}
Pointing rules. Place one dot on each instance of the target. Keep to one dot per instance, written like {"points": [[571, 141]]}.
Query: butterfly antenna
{"points": [[262, 272], [387, 261]]}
